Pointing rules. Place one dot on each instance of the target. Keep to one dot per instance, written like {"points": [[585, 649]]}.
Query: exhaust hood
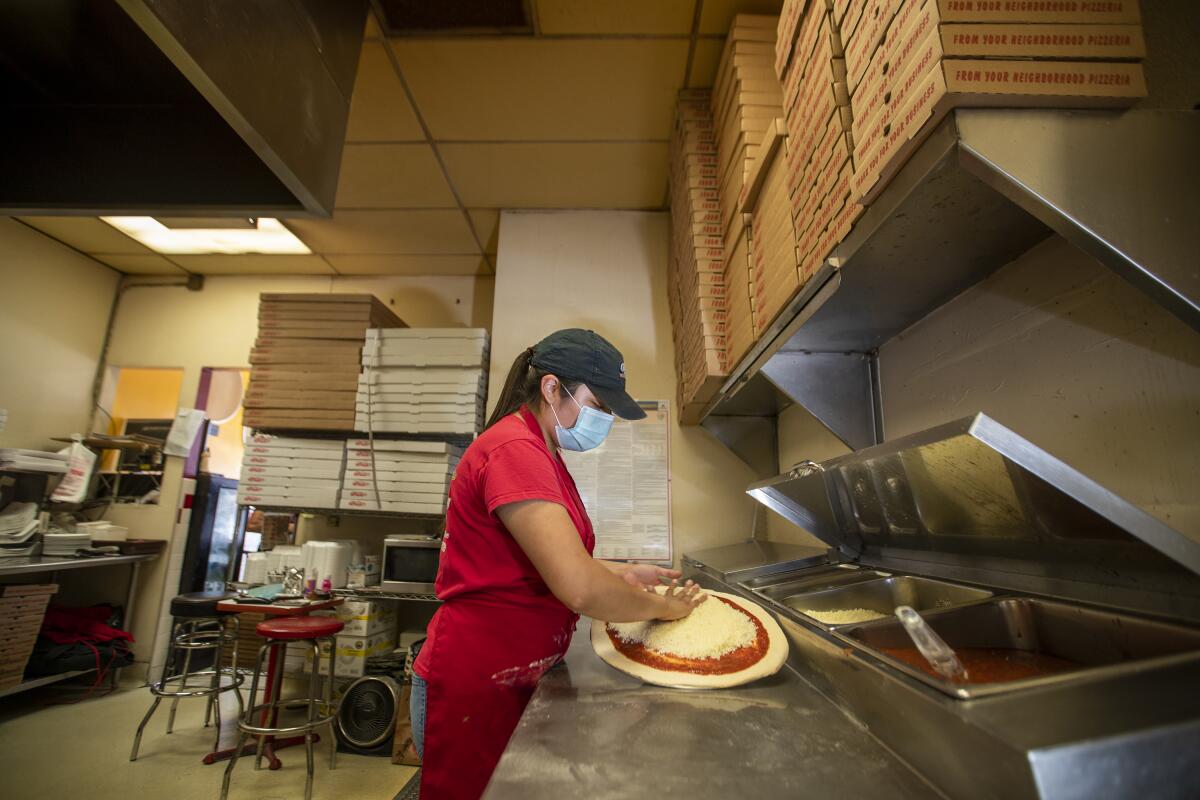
{"points": [[170, 107]]}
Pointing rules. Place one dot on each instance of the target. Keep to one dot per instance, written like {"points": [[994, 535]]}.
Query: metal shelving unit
{"points": [[375, 593], [981, 190]]}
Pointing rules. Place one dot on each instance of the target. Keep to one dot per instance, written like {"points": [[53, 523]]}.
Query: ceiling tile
{"points": [[717, 15], [255, 264], [705, 61], [392, 176], [664, 17], [88, 234], [583, 175], [487, 226], [139, 264], [379, 108], [384, 232], [409, 265], [544, 89]]}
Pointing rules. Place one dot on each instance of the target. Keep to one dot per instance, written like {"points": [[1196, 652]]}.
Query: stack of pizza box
{"points": [[696, 262], [810, 62], [22, 609], [306, 359], [908, 62], [398, 476], [746, 100], [423, 381], [291, 472]]}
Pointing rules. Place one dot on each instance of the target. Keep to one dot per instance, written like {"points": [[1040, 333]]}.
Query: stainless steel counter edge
{"points": [[593, 731]]}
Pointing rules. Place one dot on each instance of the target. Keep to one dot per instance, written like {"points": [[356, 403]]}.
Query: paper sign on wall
{"points": [[625, 484]]}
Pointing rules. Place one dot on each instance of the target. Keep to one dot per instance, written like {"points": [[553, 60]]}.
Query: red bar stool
{"points": [[279, 633]]}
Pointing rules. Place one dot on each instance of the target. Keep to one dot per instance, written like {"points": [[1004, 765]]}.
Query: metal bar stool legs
{"points": [[261, 720], [198, 629]]}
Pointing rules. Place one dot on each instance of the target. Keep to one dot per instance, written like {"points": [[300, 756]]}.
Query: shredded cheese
{"points": [[710, 631], [843, 616]]}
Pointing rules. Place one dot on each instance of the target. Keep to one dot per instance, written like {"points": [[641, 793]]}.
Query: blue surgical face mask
{"points": [[588, 432]]}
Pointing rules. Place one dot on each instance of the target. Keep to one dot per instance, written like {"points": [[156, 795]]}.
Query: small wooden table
{"points": [[274, 610]]}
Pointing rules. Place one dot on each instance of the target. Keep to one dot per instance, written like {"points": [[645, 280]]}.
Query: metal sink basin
{"points": [[1102, 643], [883, 595]]}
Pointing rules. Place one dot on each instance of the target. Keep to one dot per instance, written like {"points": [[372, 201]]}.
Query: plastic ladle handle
{"points": [[939, 654]]}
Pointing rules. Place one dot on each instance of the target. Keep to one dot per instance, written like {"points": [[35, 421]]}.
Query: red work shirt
{"points": [[499, 627]]}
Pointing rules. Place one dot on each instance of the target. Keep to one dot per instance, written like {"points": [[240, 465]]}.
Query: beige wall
{"points": [[1064, 352], [169, 326], [607, 270], [54, 308]]}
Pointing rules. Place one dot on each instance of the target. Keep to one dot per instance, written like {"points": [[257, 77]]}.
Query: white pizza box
{"points": [[418, 392], [472, 334], [423, 427], [382, 410], [424, 360], [423, 375], [403, 446], [395, 507], [393, 496], [259, 482], [417, 414], [384, 459], [270, 440], [383, 465], [288, 452], [304, 498], [283, 462], [416, 352], [314, 469], [400, 480]]}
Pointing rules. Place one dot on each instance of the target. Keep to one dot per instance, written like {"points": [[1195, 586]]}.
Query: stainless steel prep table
{"points": [[591, 731]]}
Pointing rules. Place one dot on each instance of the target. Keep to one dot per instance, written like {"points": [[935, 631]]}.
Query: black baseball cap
{"points": [[580, 355]]}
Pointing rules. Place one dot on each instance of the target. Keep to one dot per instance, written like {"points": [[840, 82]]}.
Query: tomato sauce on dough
{"points": [[733, 661]]}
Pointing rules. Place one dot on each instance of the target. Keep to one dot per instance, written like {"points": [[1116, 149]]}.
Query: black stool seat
{"points": [[198, 604]]}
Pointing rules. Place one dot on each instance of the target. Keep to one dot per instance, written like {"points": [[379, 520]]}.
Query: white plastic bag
{"points": [[182, 435], [73, 486]]}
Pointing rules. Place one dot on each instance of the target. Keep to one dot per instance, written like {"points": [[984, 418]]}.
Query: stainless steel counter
{"points": [[591, 731]]}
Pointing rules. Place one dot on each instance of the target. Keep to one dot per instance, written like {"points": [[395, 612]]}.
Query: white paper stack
{"points": [[291, 471], [64, 544], [18, 524], [423, 380], [409, 477], [32, 460]]}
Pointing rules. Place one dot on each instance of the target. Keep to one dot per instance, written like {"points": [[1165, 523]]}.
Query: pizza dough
{"points": [[770, 663]]}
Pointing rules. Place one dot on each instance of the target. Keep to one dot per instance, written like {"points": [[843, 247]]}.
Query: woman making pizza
{"points": [[516, 566]]}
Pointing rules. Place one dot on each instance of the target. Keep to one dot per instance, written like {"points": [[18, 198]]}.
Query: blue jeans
{"points": [[416, 713]]}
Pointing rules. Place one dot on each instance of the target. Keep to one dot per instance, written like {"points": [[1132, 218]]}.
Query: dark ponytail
{"points": [[521, 387]]}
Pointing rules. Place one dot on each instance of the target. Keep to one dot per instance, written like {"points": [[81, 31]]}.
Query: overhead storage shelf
{"points": [[986, 186]]}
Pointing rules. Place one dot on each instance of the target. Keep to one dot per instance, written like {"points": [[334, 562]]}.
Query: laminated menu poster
{"points": [[625, 484]]}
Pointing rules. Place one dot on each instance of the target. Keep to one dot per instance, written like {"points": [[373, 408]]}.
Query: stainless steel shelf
{"points": [[375, 593], [34, 683], [982, 189], [346, 512], [29, 565]]}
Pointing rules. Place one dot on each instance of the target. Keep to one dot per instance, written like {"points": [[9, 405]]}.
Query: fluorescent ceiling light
{"points": [[268, 237]]}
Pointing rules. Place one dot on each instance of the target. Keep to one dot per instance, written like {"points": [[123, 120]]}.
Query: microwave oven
{"points": [[410, 563]]}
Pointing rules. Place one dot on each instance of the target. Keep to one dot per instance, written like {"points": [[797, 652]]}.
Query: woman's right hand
{"points": [[681, 600]]}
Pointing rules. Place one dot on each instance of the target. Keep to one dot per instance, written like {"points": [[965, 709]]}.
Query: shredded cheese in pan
{"points": [[710, 631], [843, 616]]}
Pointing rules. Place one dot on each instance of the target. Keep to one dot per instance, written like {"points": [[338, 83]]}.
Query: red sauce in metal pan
{"points": [[733, 661], [990, 664]]}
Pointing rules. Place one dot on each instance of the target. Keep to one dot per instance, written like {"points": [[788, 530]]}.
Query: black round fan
{"points": [[366, 719]]}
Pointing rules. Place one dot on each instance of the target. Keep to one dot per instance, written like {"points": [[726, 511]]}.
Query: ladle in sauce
{"points": [[939, 654]]}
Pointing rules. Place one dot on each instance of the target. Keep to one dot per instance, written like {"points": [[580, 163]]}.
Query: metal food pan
{"points": [[883, 595], [1103, 643], [812, 582], [789, 576]]}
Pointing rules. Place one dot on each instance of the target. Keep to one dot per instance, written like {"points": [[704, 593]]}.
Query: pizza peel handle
{"points": [[770, 662]]}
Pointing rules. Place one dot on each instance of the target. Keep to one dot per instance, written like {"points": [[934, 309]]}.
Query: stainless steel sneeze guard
{"points": [[973, 501]]}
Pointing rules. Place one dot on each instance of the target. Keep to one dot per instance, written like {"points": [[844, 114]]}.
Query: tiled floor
{"points": [[81, 751]]}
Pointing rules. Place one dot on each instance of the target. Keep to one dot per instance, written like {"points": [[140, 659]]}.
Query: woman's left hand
{"points": [[647, 575]]}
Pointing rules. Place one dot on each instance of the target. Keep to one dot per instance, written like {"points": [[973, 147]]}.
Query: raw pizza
{"points": [[726, 641]]}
